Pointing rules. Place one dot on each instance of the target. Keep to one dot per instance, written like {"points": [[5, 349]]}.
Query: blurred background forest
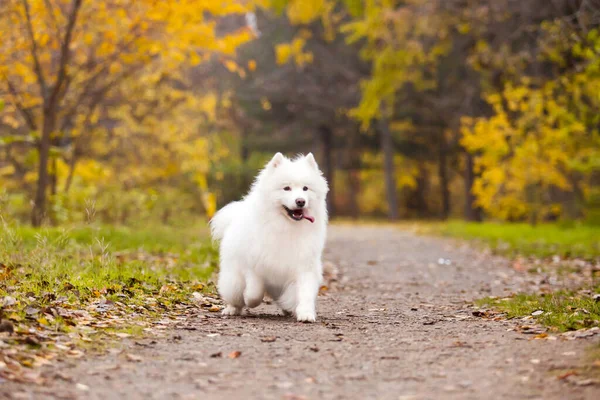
{"points": [[132, 110]]}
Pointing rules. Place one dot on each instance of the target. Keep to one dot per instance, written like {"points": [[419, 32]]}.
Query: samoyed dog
{"points": [[272, 239]]}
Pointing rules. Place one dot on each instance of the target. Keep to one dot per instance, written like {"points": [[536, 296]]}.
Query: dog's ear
{"points": [[276, 160], [311, 161]]}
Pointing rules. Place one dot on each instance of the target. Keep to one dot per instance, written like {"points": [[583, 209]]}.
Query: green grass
{"points": [[155, 238], [513, 239], [85, 264], [562, 310]]}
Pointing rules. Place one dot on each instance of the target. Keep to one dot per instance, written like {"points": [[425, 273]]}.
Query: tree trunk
{"points": [[39, 207], [69, 180], [472, 212], [52, 98], [421, 198], [353, 168], [443, 177], [53, 177], [354, 190], [326, 135], [387, 148], [244, 151]]}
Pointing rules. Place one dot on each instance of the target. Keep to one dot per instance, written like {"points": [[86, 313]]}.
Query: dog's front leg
{"points": [[308, 289]]}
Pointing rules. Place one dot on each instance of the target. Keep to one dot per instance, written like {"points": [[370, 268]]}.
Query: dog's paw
{"points": [[306, 316], [231, 310]]}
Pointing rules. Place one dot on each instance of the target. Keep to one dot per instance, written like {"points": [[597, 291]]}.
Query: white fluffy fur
{"points": [[263, 250]]}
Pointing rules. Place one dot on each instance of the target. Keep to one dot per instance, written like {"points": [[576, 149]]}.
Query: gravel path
{"points": [[399, 327]]}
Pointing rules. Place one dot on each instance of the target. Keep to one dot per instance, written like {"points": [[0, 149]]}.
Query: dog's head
{"points": [[297, 187]]}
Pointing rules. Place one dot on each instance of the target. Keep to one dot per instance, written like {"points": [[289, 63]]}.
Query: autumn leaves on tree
{"points": [[416, 108], [86, 78]]}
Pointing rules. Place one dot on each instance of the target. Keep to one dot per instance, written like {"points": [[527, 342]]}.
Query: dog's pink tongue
{"points": [[308, 217]]}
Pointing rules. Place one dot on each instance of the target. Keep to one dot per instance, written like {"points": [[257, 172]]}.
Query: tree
{"points": [[60, 59], [294, 94]]}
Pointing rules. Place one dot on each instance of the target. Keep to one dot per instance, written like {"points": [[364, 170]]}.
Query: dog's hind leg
{"points": [[287, 300], [231, 289], [254, 291]]}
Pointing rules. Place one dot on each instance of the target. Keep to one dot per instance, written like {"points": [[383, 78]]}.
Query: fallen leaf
{"points": [[214, 308], [566, 375], [586, 382], [268, 339], [61, 376], [30, 340], [458, 343], [7, 326], [216, 355], [291, 396], [9, 301], [75, 353], [479, 313], [519, 266], [82, 387], [15, 317], [235, 354], [31, 311], [133, 357]]}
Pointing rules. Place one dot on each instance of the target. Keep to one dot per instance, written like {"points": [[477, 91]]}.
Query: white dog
{"points": [[272, 240]]}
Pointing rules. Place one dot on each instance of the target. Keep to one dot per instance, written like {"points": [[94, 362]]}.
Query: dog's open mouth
{"points": [[298, 214]]}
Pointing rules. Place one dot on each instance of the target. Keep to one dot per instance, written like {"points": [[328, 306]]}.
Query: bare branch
{"points": [[26, 113], [34, 52], [64, 54], [51, 8], [90, 91]]}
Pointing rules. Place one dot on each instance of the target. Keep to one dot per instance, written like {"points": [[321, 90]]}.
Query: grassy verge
{"points": [[64, 290], [560, 311], [578, 251], [513, 239]]}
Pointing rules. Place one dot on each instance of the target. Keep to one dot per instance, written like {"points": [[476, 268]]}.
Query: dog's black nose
{"points": [[300, 202]]}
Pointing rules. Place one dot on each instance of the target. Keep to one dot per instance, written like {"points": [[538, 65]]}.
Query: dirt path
{"points": [[399, 328]]}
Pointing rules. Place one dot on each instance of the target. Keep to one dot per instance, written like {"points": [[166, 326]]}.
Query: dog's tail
{"points": [[222, 219]]}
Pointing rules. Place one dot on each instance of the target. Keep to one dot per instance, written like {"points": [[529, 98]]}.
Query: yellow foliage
{"points": [[294, 50], [372, 195], [519, 157], [128, 51], [393, 45], [209, 201], [305, 11], [266, 105]]}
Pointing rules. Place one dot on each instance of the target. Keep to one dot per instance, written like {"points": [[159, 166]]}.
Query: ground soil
{"points": [[397, 325]]}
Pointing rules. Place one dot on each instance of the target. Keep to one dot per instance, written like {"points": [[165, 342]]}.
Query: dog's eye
{"points": [[287, 188], [305, 188]]}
